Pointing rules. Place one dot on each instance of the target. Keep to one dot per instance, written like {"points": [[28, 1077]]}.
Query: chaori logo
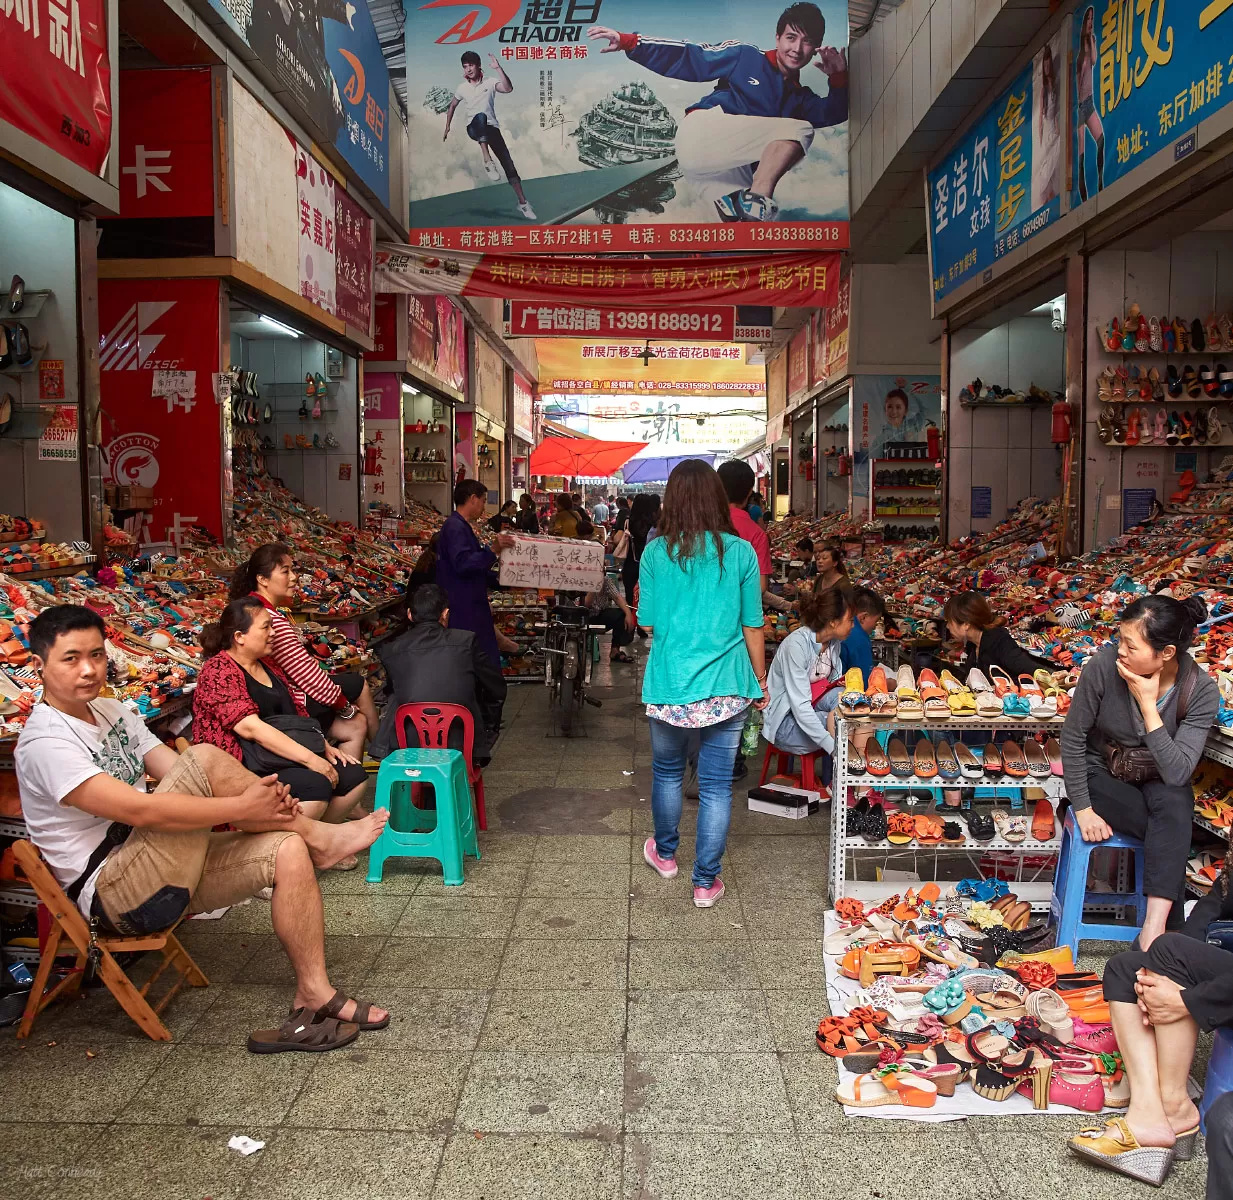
{"points": [[354, 88], [500, 12], [131, 460], [130, 344]]}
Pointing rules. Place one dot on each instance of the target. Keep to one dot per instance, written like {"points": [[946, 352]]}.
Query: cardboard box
{"points": [[134, 497], [779, 800]]}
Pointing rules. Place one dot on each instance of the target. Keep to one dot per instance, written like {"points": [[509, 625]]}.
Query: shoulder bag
{"points": [[1135, 764], [303, 730]]}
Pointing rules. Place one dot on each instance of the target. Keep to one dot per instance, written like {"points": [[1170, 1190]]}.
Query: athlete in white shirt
{"points": [[476, 95]]}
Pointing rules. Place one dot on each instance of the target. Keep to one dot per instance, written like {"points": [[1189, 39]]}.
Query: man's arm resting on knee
{"points": [[168, 812]]}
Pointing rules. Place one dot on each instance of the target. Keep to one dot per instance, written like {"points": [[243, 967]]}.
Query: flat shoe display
{"points": [[1037, 763], [900, 763]]}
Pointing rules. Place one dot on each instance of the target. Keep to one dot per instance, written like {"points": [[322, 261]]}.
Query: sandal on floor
{"points": [[333, 1006], [865, 1091], [620, 656], [305, 1031]]}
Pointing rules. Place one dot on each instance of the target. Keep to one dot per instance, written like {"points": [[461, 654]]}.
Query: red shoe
{"points": [[706, 897]]}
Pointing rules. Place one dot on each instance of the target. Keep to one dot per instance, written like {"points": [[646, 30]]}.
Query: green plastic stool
{"points": [[420, 833]]}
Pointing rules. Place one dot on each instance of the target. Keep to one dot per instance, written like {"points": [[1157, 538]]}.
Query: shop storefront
{"points": [[420, 357], [58, 171]]}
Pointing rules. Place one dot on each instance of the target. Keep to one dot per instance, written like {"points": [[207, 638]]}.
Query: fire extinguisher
{"points": [[843, 464], [371, 457], [933, 442], [1061, 423]]}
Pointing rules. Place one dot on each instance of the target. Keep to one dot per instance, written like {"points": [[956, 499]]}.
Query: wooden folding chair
{"points": [[68, 923]]}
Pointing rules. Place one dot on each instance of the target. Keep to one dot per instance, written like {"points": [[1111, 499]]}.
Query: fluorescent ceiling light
{"points": [[278, 325]]}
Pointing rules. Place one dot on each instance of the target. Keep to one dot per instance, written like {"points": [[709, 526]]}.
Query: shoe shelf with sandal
{"points": [[917, 752]]}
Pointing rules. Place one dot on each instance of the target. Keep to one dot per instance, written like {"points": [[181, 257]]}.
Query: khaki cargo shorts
{"points": [[153, 879]]}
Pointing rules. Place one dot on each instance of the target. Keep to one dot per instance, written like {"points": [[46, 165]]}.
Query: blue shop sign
{"points": [[1002, 183], [1146, 73]]}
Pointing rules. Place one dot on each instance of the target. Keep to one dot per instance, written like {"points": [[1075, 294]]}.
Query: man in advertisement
{"points": [[758, 121], [476, 95]]}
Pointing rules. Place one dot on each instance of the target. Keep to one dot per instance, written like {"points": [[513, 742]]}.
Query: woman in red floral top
{"points": [[341, 704], [239, 689]]}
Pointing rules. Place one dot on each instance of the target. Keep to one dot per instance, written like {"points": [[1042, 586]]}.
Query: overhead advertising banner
{"points": [[1145, 76], [669, 425], [1002, 184], [326, 54], [57, 77], [588, 365], [790, 280], [166, 144], [318, 253], [542, 127], [546, 320]]}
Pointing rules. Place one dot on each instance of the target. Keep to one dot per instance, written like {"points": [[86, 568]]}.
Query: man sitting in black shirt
{"points": [[433, 664]]}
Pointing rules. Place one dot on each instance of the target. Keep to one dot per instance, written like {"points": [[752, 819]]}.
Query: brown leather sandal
{"points": [[333, 1006], [302, 1030]]}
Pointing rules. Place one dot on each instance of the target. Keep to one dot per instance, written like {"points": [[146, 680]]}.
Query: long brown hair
{"points": [[695, 504], [971, 608]]}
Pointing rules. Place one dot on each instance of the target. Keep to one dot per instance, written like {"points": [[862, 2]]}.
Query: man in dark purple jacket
{"points": [[463, 566]]}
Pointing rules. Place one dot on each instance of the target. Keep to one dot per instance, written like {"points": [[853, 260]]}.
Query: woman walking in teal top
{"points": [[701, 595]]}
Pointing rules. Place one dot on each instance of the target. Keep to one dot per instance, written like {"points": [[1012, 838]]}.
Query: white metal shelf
{"points": [[1037, 894], [13, 828], [888, 782], [941, 725]]}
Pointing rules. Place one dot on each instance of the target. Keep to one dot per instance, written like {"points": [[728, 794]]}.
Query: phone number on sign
{"points": [[750, 233], [667, 322]]}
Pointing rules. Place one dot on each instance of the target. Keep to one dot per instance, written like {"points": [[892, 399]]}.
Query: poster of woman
{"points": [[890, 410]]}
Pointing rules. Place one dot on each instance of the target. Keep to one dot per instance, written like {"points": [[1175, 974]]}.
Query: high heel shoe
{"points": [[1116, 1148], [1183, 1148]]}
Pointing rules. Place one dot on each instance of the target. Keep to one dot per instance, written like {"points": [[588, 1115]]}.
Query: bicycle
{"points": [[570, 642]]}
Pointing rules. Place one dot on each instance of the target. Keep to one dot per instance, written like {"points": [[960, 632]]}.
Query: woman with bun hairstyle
{"points": [[986, 642], [341, 703], [240, 691], [1131, 695]]}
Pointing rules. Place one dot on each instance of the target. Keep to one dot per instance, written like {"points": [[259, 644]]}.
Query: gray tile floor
{"points": [[566, 1025]]}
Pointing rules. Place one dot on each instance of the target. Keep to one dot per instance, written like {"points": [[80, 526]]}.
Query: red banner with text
{"points": [[789, 280], [57, 77], [158, 355], [527, 319]]}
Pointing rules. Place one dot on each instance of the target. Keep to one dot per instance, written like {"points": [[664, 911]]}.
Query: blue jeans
{"points": [[670, 746], [790, 738]]}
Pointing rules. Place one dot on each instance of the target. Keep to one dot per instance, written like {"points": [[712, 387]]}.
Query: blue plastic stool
{"points": [[1070, 892], [444, 834], [1219, 1073]]}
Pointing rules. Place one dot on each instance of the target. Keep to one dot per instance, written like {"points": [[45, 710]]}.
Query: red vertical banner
{"points": [[353, 261], [57, 77], [385, 328], [422, 332], [451, 365], [158, 354], [166, 144], [798, 361], [837, 331]]}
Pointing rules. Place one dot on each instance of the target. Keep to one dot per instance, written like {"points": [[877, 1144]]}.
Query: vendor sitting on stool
{"points": [[607, 607], [1159, 999], [800, 718], [1143, 691]]}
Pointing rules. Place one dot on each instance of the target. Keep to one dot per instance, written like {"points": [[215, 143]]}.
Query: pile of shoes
{"points": [[977, 394], [952, 990]]}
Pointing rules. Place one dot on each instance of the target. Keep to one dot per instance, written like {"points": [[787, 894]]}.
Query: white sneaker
{"points": [[527, 211], [491, 169]]}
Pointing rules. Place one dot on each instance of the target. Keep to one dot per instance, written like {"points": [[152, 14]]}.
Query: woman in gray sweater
{"points": [[1132, 694]]}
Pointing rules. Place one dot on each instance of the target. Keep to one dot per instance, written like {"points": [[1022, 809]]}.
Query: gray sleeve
{"points": [[1176, 757], [1084, 706]]}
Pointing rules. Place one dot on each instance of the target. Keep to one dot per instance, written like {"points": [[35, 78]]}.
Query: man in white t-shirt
{"points": [[136, 861], [476, 95]]}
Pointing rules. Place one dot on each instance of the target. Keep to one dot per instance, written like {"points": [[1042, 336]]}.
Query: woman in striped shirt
{"points": [[341, 703]]}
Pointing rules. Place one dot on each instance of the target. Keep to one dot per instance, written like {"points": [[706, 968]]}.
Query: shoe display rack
{"points": [[1219, 749], [844, 881]]}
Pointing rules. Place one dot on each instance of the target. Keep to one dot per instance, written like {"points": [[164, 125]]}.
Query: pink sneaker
{"points": [[664, 866], [1094, 1039], [708, 896]]}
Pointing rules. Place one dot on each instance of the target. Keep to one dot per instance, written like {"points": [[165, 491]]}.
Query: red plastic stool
{"points": [[783, 764], [432, 723]]}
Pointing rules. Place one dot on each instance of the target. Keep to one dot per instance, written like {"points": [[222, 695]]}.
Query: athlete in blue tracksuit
{"points": [[758, 121]]}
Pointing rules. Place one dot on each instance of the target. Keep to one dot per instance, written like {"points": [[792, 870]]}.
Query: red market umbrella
{"points": [[581, 456]]}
